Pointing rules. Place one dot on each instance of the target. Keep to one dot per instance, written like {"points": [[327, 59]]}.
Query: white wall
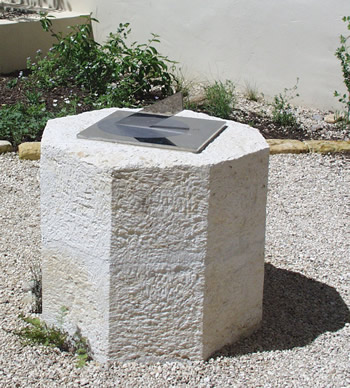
{"points": [[268, 43]]}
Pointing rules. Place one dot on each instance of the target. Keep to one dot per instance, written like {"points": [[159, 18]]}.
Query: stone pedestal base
{"points": [[155, 254]]}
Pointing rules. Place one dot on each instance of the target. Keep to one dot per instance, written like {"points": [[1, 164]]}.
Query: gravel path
{"points": [[305, 336]]}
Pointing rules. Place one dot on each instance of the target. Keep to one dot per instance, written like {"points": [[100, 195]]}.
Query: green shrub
{"points": [[282, 111], [220, 99], [115, 74], [343, 54]]}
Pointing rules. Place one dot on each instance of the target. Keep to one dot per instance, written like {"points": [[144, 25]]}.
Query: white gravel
{"points": [[305, 337]]}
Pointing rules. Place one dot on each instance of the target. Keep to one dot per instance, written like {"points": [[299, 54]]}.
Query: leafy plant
{"points": [[282, 111], [115, 74], [343, 54], [39, 333], [220, 99], [33, 96], [11, 84], [23, 122]]}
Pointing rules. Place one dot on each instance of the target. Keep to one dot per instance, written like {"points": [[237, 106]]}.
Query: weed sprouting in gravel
{"points": [[39, 333]]}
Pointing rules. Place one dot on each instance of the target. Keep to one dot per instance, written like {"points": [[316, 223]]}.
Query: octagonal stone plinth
{"points": [[154, 254]]}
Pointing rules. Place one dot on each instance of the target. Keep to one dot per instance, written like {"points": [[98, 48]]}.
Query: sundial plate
{"points": [[155, 130]]}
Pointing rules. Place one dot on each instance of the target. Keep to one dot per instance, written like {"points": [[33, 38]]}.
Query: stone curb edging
{"points": [[31, 150], [5, 146], [288, 146]]}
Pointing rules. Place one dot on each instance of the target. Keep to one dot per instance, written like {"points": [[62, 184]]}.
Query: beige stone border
{"points": [[278, 146], [5, 146], [31, 150]]}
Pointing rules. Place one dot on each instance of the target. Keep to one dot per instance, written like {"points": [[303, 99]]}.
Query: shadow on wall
{"points": [[63, 5], [296, 311]]}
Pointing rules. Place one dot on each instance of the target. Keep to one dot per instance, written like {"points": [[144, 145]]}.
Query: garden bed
{"points": [[72, 100]]}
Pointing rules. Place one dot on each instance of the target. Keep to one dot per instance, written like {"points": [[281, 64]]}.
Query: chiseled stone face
{"points": [[155, 254]]}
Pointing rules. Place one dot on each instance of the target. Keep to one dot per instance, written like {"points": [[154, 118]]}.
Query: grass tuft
{"points": [[220, 99]]}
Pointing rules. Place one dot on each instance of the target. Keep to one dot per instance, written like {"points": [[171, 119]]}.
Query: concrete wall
{"points": [[21, 39], [268, 43]]}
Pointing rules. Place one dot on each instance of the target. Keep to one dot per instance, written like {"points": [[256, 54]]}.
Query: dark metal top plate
{"points": [[153, 130]]}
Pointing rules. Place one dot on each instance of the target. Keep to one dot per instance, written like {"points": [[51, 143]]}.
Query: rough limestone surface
{"points": [[5, 146], [29, 151], [155, 254]]}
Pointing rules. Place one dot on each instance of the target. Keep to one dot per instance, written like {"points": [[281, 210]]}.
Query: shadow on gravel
{"points": [[297, 310]]}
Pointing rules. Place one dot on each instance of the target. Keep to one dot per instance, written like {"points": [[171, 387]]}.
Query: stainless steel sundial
{"points": [[153, 128]]}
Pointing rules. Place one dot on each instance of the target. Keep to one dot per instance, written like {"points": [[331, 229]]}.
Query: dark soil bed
{"points": [[12, 91]]}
